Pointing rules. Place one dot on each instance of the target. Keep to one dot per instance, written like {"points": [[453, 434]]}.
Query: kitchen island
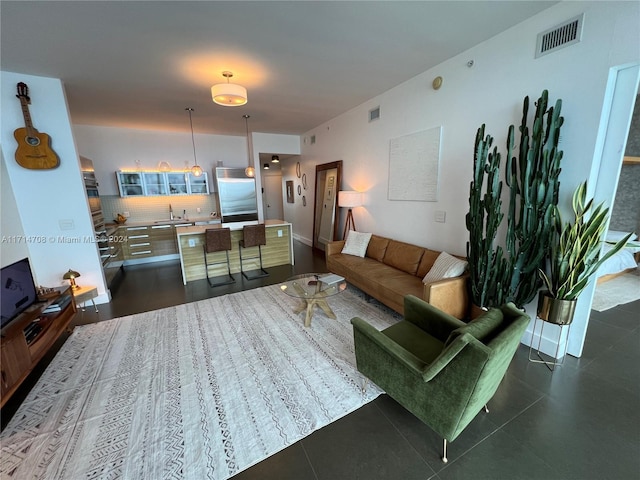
{"points": [[277, 251]]}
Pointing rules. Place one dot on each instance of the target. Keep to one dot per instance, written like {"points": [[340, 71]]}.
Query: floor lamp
{"points": [[349, 199]]}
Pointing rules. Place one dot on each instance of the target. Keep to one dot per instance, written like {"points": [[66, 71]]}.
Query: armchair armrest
{"points": [[449, 353], [332, 248], [429, 318], [413, 363]]}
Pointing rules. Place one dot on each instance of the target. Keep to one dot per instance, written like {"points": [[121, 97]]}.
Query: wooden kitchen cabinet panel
{"points": [[163, 240]]}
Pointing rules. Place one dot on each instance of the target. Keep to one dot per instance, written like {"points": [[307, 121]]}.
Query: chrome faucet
{"points": [[170, 212]]}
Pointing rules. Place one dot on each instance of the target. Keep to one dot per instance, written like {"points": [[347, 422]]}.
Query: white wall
{"points": [[490, 92], [11, 231], [282, 145], [113, 148], [51, 204]]}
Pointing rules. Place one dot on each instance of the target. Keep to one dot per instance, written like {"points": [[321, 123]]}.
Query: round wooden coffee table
{"points": [[313, 289]]}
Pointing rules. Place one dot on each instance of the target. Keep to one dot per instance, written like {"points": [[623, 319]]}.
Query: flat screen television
{"points": [[17, 290]]}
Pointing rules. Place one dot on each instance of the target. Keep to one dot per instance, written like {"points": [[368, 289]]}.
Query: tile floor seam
{"points": [[407, 441], [306, 455], [486, 437]]}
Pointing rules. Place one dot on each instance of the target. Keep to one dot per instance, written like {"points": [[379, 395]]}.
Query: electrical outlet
{"points": [[441, 216], [192, 242], [198, 210], [279, 233], [126, 214]]}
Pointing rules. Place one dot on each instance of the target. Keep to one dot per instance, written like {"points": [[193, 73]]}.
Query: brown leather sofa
{"points": [[392, 269]]}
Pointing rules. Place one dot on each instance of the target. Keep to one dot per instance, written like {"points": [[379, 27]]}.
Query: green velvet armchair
{"points": [[439, 368]]}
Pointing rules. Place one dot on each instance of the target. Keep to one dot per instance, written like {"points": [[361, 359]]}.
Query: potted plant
{"points": [[574, 257]]}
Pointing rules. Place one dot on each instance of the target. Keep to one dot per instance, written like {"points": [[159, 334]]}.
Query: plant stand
{"points": [[550, 364]]}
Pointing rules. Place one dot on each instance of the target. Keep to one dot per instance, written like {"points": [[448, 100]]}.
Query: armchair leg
{"points": [[444, 451], [486, 409], [365, 384]]}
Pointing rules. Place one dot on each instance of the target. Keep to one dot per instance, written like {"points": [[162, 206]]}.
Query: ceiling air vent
{"points": [[560, 36]]}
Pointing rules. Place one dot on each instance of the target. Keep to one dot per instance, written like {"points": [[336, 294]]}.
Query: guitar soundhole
{"points": [[33, 141]]}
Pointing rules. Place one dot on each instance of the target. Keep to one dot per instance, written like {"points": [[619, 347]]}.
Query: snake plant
{"points": [[575, 247]]}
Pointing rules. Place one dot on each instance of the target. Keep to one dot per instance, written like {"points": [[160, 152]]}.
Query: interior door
{"points": [[272, 197]]}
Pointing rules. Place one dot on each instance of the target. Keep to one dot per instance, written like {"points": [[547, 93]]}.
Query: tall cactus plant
{"points": [[482, 221], [510, 275], [532, 178]]}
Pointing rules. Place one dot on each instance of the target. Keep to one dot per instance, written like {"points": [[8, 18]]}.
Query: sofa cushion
{"points": [[356, 243], [481, 328], [403, 256], [428, 259], [377, 247], [446, 266]]}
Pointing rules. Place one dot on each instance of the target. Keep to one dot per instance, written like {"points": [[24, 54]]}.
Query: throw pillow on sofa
{"points": [[445, 266], [356, 243]]}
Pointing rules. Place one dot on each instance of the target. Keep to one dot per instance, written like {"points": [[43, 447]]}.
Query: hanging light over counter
{"points": [[250, 171], [196, 170]]}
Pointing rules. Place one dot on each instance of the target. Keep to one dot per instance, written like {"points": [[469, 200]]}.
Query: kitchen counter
{"points": [[277, 251]]}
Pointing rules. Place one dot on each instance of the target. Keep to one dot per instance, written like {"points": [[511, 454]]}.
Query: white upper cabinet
{"points": [[138, 184]]}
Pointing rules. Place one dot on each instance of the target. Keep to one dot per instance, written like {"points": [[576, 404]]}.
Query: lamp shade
{"points": [[229, 94], [71, 275], [349, 199]]}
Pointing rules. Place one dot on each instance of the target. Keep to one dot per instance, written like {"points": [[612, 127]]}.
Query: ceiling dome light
{"points": [[229, 94]]}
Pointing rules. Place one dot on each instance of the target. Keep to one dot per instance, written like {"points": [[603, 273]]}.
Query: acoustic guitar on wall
{"points": [[34, 148]]}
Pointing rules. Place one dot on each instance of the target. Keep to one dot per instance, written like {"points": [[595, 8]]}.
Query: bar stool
{"points": [[253, 236], [217, 240]]}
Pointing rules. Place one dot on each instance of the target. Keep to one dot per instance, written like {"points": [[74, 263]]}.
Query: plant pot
{"points": [[475, 311], [555, 310]]}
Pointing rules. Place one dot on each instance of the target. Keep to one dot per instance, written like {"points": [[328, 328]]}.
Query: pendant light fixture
{"points": [[266, 166], [229, 94], [275, 159], [164, 166], [250, 171], [196, 170]]}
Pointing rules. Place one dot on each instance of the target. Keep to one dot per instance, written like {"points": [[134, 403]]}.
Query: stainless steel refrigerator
{"points": [[237, 193]]}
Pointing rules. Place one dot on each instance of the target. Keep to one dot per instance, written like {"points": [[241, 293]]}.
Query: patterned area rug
{"points": [[202, 390], [618, 291]]}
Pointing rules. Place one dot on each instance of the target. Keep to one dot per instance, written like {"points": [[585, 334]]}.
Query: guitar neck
{"points": [[27, 117]]}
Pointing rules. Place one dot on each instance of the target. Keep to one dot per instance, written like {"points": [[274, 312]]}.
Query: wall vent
{"points": [[560, 36], [374, 114]]}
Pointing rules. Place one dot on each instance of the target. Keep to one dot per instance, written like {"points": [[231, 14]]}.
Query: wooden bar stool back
{"points": [[253, 236], [217, 240]]}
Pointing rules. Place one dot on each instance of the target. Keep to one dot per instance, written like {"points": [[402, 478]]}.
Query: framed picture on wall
{"points": [[290, 196]]}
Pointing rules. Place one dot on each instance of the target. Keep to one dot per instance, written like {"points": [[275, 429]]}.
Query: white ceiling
{"points": [[139, 64]]}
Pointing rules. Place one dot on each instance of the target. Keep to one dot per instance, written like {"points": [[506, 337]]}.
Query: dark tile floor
{"points": [[579, 422]]}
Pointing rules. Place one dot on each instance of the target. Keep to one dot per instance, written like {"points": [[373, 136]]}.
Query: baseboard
{"points": [[301, 239]]}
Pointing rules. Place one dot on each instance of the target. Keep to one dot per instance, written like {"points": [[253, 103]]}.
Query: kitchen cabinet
{"points": [[137, 243], [163, 240], [130, 184], [138, 184], [149, 241]]}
